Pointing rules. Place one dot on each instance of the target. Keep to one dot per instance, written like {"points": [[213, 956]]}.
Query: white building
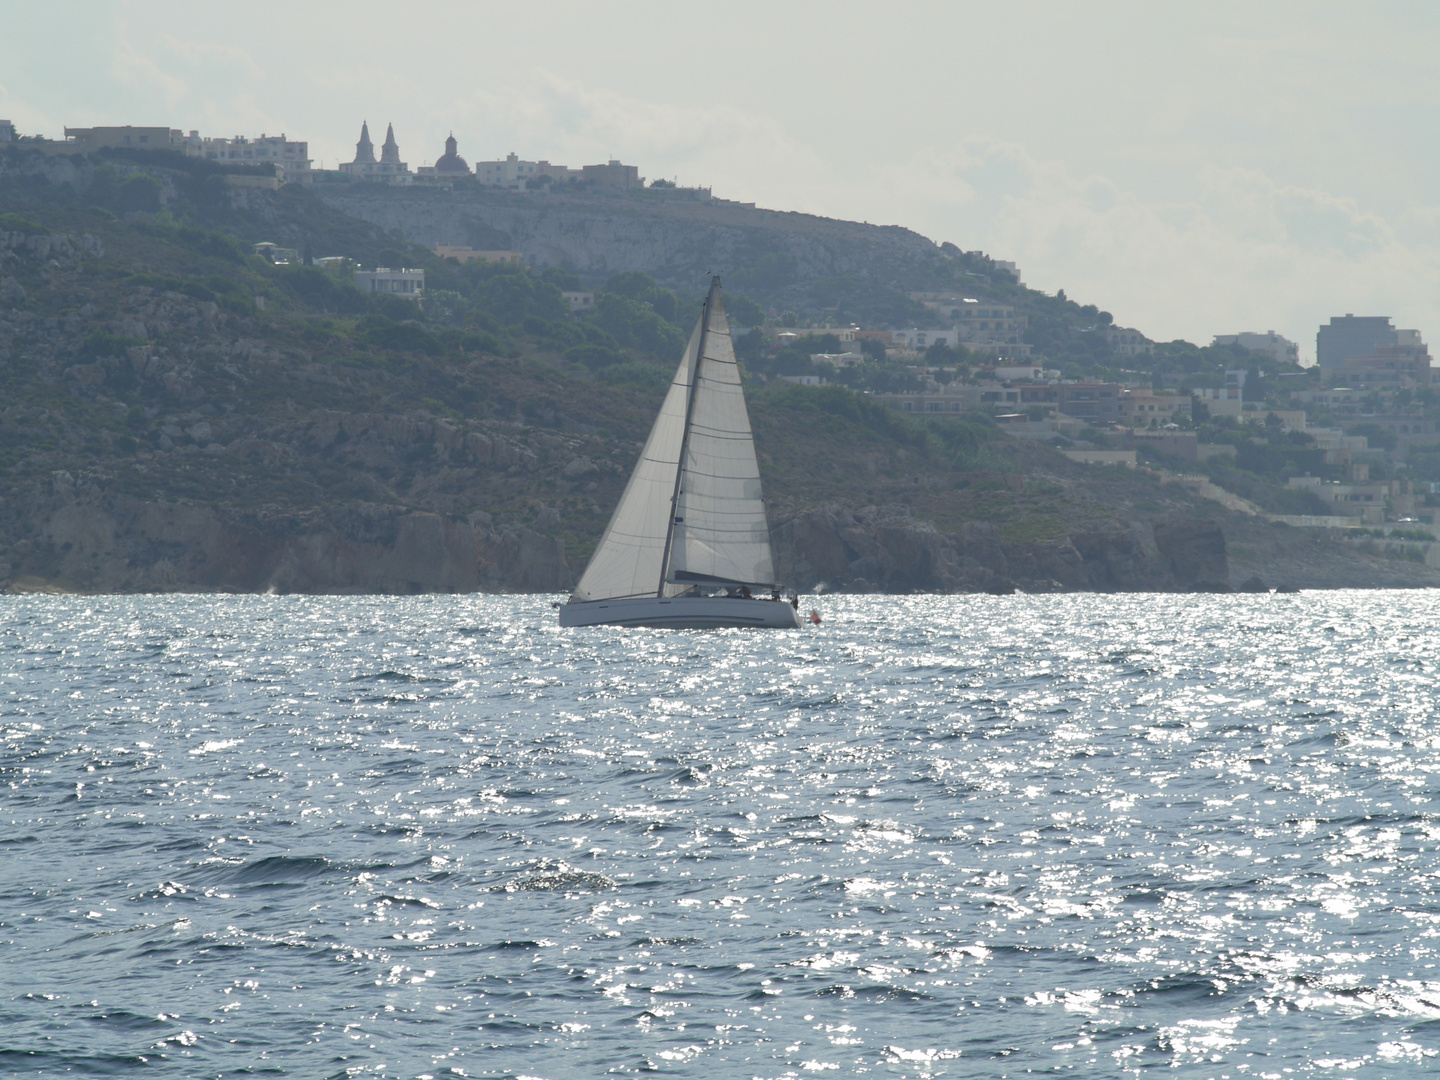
{"points": [[512, 173], [1020, 372], [1281, 350], [579, 301], [407, 284], [292, 155]]}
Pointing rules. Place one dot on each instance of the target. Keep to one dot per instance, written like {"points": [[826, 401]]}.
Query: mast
{"points": [[685, 436]]}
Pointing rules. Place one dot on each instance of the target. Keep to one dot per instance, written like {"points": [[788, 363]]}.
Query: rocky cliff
{"points": [[886, 549], [95, 542], [677, 241]]}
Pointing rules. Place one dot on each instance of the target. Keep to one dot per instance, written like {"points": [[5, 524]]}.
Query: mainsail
{"points": [[692, 511]]}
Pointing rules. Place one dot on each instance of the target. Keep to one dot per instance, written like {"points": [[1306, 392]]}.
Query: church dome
{"points": [[451, 164]]}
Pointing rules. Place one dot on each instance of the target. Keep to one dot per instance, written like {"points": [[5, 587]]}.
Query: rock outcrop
{"points": [[126, 545], [884, 549], [1194, 552]]}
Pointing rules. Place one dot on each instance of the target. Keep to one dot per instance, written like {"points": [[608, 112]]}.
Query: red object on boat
{"points": [[815, 617]]}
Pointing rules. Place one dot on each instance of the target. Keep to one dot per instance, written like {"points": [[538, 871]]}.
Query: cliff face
{"points": [[675, 241], [885, 549], [97, 543]]}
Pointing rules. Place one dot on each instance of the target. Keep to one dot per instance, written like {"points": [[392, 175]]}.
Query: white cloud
{"points": [[1244, 252]]}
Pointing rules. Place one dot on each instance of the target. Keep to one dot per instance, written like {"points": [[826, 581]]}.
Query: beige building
{"points": [[514, 174], [612, 175], [464, 255], [123, 138], [976, 321], [1139, 408]]}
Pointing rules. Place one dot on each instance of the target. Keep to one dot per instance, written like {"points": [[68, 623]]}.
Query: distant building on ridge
{"points": [[1366, 351], [388, 170], [1351, 335], [450, 164], [292, 155], [1281, 350]]}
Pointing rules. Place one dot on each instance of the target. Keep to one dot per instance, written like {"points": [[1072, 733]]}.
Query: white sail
{"points": [[720, 531], [631, 556]]}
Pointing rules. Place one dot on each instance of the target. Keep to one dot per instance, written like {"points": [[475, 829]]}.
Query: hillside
{"points": [[180, 414]]}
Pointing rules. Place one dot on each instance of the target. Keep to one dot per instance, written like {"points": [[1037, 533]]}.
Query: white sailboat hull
{"points": [[681, 613]]}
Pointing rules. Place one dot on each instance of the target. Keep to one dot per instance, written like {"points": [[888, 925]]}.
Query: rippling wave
{"points": [[935, 836]]}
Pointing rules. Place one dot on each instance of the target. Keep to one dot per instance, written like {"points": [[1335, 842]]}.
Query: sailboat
{"points": [[688, 546]]}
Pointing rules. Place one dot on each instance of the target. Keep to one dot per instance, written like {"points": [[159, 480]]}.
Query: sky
{"points": [[1194, 169]]}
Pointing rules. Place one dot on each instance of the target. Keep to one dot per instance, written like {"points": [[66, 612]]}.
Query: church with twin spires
{"points": [[388, 170]]}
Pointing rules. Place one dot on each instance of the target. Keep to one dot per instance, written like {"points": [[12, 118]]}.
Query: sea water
{"points": [[973, 836]]}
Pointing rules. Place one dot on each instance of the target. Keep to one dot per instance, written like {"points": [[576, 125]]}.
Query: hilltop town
{"points": [[208, 345]]}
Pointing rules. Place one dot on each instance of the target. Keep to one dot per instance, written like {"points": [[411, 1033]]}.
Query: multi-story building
{"points": [[1281, 350], [1352, 335], [514, 174], [7, 131], [388, 170], [918, 340], [978, 321], [1359, 499], [517, 175], [612, 175], [1095, 402], [951, 398], [1389, 366], [1124, 341], [292, 155], [1140, 407]]}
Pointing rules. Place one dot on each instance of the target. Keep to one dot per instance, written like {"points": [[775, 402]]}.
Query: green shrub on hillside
{"points": [[636, 325], [637, 374], [103, 343]]}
